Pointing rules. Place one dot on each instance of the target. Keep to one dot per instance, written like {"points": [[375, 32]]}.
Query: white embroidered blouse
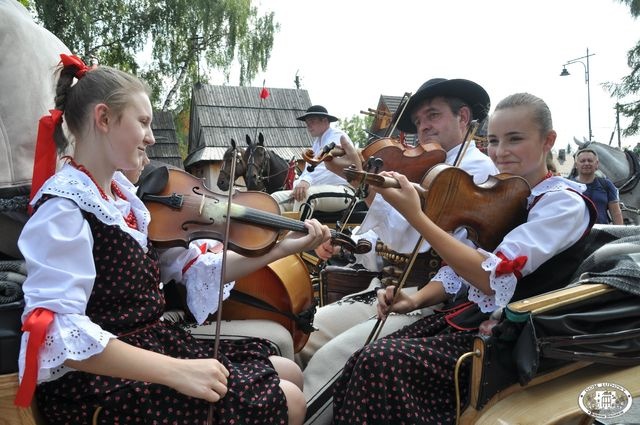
{"points": [[556, 221], [57, 246]]}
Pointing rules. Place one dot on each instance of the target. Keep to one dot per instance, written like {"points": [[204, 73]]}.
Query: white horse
{"points": [[27, 65], [623, 169]]}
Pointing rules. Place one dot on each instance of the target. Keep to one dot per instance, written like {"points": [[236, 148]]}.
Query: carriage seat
{"points": [[554, 389]]}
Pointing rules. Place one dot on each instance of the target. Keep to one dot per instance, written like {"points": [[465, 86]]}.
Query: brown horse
{"points": [[266, 171], [224, 176]]}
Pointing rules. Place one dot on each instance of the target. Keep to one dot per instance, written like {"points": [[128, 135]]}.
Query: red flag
{"points": [[264, 93]]}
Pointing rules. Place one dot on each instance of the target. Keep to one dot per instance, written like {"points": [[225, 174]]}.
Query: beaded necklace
{"points": [[130, 218]]}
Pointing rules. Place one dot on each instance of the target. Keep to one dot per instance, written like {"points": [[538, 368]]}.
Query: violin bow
{"points": [[399, 112], [377, 328], [225, 246]]}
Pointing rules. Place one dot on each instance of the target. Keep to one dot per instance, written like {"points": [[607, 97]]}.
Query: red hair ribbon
{"points": [[44, 163], [73, 60], [36, 323], [510, 266]]}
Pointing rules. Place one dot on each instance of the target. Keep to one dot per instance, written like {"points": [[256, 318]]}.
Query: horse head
{"points": [[224, 176], [265, 170], [257, 159], [613, 162], [623, 169]]}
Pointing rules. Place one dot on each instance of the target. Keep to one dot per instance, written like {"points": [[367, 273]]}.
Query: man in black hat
{"points": [[320, 188], [440, 111]]}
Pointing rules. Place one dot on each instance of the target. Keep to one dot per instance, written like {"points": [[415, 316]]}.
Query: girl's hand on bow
{"points": [[403, 303]]}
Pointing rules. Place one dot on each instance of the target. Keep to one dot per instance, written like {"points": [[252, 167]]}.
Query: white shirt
{"points": [[57, 245], [555, 222], [320, 175], [392, 228]]}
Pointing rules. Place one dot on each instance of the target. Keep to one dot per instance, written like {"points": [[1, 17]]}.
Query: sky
{"points": [[347, 53]]}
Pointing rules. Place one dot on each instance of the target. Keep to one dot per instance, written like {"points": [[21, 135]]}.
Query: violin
{"points": [[451, 199], [412, 161], [184, 209]]}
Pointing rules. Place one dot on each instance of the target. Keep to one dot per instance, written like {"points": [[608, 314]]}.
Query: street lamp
{"points": [[564, 73]]}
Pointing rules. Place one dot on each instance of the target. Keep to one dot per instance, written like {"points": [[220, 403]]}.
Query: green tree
{"points": [[356, 127], [630, 84], [176, 36]]}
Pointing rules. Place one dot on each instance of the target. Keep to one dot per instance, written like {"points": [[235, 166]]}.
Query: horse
{"points": [[266, 171], [623, 169], [224, 176]]}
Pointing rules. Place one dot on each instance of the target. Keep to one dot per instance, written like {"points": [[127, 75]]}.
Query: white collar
{"points": [[72, 184]]}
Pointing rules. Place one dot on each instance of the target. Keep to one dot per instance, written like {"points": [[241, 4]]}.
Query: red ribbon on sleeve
{"points": [[36, 324], [507, 266], [203, 249]]}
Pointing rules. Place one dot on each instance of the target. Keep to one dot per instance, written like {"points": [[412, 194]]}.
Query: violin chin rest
{"points": [[153, 182]]}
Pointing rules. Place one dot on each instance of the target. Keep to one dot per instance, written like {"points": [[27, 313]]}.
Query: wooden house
{"points": [[166, 147], [382, 117], [222, 113]]}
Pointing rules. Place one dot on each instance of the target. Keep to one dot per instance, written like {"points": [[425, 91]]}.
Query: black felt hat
{"points": [[319, 111], [468, 91]]}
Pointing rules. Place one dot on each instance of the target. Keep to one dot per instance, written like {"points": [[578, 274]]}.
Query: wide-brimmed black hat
{"points": [[317, 110], [468, 91]]}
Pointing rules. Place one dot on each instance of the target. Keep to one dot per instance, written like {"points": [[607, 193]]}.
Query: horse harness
{"points": [[263, 171]]}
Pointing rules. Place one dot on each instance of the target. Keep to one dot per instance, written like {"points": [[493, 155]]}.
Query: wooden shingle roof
{"points": [[222, 113], [166, 147]]}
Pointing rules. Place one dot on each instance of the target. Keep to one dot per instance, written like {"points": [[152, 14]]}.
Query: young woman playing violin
{"points": [[95, 342], [407, 377]]}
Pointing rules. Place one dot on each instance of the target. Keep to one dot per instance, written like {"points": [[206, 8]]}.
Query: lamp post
{"points": [[564, 73]]}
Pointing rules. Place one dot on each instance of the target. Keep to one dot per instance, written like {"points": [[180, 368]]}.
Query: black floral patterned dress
{"points": [[127, 301]]}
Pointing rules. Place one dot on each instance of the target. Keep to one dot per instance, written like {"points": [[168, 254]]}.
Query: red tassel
{"points": [[36, 324], [264, 93], [44, 163]]}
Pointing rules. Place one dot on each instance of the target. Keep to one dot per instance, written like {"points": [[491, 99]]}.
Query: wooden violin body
{"points": [[284, 284], [488, 211], [451, 199], [184, 209], [412, 161]]}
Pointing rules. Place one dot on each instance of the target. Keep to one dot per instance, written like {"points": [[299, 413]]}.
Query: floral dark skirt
{"points": [[406, 377], [253, 388]]}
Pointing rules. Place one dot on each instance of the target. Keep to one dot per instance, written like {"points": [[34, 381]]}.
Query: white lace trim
{"points": [[504, 286], [70, 183], [450, 280], [69, 336], [202, 280]]}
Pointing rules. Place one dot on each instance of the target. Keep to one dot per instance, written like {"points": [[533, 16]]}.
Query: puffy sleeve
{"points": [[198, 268], [556, 221], [57, 245]]}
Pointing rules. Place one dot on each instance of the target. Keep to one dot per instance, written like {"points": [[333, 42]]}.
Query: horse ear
{"points": [[233, 143], [260, 139], [248, 140]]}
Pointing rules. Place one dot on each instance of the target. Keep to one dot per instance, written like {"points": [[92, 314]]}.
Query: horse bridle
{"points": [[239, 161], [264, 170]]}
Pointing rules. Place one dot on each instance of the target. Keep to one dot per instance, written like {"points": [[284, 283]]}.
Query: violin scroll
{"points": [[327, 154]]}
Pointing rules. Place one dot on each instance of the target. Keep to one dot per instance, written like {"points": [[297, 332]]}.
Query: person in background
{"points": [[408, 376], [599, 189], [334, 193], [95, 342]]}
